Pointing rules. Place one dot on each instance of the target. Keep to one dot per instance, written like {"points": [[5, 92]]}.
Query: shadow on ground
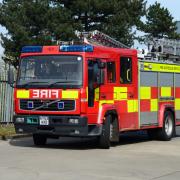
{"points": [[81, 143], [85, 143]]}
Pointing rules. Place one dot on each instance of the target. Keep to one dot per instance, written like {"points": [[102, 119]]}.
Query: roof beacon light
{"points": [[76, 48], [32, 49]]}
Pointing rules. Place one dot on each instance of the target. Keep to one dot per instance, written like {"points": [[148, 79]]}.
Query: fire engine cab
{"points": [[94, 90]]}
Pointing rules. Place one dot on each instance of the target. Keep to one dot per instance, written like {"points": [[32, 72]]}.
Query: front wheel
{"points": [[39, 140], [104, 139], [168, 129]]}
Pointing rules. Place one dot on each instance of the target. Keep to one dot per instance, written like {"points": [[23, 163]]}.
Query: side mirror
{"points": [[10, 77]]}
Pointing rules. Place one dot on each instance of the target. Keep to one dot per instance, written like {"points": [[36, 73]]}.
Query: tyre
{"points": [[104, 139], [168, 130], [114, 130], [39, 140]]}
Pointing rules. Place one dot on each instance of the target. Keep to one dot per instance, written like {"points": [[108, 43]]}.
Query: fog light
{"points": [[76, 132], [19, 120], [20, 130], [74, 121]]}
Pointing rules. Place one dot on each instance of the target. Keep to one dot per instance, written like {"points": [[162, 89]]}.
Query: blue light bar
{"points": [[76, 48], [32, 49]]}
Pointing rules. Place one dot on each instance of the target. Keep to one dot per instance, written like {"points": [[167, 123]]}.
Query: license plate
{"points": [[44, 120]]}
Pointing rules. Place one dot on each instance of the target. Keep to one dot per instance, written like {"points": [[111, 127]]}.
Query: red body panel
{"points": [[162, 107]]}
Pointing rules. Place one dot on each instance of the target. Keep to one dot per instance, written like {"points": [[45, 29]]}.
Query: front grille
{"points": [[69, 105]]}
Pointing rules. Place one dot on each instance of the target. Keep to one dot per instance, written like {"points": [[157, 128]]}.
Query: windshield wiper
{"points": [[58, 82], [32, 82]]}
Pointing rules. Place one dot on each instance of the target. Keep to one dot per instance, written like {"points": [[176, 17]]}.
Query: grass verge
{"points": [[7, 130]]}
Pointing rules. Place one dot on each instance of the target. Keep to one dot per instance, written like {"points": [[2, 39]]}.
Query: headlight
{"points": [[19, 120]]}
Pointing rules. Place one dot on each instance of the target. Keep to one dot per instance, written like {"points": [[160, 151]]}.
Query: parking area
{"points": [[135, 157]]}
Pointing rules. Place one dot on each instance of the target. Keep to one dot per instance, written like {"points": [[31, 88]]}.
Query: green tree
{"points": [[32, 22], [43, 22], [160, 22], [115, 17]]}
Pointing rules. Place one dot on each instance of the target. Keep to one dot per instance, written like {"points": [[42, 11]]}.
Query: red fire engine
{"points": [[94, 91]]}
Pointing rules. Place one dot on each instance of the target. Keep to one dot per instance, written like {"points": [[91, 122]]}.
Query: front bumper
{"points": [[57, 126]]}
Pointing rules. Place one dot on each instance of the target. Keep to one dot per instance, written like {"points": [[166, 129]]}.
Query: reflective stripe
{"points": [[145, 92], [160, 67], [136, 105], [154, 105], [120, 93], [177, 104], [132, 106], [23, 94], [87, 92], [97, 94], [70, 94], [166, 91]]}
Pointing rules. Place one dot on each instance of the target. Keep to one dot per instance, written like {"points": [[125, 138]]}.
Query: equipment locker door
{"points": [[148, 96]]}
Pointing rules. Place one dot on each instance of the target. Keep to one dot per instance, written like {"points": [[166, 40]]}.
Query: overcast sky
{"points": [[172, 5]]}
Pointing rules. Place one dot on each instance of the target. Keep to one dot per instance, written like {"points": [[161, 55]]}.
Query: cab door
{"points": [[95, 75]]}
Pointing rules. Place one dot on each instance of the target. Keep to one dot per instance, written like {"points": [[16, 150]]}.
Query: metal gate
{"points": [[6, 99]]}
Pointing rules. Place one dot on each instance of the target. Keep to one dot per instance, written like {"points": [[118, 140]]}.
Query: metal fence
{"points": [[6, 99]]}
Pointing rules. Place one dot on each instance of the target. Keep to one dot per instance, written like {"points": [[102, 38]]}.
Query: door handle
{"points": [[103, 96], [130, 95]]}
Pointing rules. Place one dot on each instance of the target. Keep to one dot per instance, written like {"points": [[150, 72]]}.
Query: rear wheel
{"points": [[168, 129], [39, 140]]}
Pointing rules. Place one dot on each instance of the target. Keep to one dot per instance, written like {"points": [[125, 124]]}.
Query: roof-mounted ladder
{"points": [[98, 38]]}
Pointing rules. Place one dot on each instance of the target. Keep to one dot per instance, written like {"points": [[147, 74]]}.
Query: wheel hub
{"points": [[168, 126]]}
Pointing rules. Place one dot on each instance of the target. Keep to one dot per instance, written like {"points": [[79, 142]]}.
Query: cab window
{"points": [[125, 70]]}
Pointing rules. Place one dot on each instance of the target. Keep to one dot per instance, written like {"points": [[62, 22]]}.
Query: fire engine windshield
{"points": [[50, 71]]}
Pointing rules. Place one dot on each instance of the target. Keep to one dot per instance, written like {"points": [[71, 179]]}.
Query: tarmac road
{"points": [[134, 158]]}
